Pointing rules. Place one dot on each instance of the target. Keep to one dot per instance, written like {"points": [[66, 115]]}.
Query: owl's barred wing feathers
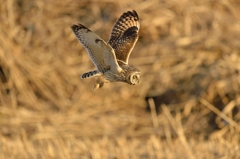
{"points": [[101, 54], [124, 35]]}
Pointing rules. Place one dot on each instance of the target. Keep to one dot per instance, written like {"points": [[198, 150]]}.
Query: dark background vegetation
{"points": [[187, 104]]}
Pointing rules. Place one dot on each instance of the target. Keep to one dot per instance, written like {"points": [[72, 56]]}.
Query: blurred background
{"points": [[187, 104]]}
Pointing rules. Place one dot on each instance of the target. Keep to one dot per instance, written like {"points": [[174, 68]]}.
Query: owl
{"points": [[111, 58]]}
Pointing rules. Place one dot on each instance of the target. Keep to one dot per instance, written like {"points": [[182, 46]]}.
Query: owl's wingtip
{"points": [[135, 13], [74, 26], [78, 26]]}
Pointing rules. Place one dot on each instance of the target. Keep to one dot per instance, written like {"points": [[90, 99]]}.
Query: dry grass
{"points": [[189, 56]]}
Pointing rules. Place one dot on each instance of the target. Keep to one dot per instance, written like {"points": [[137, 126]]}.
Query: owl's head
{"points": [[131, 75], [134, 78]]}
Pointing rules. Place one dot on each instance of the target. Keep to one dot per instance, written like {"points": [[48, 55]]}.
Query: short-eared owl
{"points": [[111, 58]]}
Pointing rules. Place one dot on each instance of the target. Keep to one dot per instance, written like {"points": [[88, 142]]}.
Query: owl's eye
{"points": [[134, 79]]}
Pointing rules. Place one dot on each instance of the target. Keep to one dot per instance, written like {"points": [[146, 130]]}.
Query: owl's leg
{"points": [[99, 84]]}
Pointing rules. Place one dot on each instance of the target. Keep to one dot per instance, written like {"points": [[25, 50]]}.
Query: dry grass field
{"points": [[187, 104]]}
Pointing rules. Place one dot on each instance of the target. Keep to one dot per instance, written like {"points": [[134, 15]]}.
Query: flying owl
{"points": [[111, 58]]}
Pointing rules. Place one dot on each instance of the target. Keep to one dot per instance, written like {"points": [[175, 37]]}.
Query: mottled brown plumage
{"points": [[124, 35]]}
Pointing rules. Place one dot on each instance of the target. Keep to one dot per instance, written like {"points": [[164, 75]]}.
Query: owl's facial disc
{"points": [[135, 78]]}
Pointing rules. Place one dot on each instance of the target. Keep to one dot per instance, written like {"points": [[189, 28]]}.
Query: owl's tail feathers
{"points": [[91, 74]]}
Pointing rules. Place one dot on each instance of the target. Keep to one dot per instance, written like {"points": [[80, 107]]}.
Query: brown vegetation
{"points": [[187, 104]]}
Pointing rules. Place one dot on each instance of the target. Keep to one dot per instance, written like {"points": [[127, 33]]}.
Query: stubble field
{"points": [[187, 104]]}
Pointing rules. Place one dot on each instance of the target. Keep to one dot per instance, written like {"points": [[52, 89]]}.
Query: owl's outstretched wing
{"points": [[124, 35], [101, 53]]}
